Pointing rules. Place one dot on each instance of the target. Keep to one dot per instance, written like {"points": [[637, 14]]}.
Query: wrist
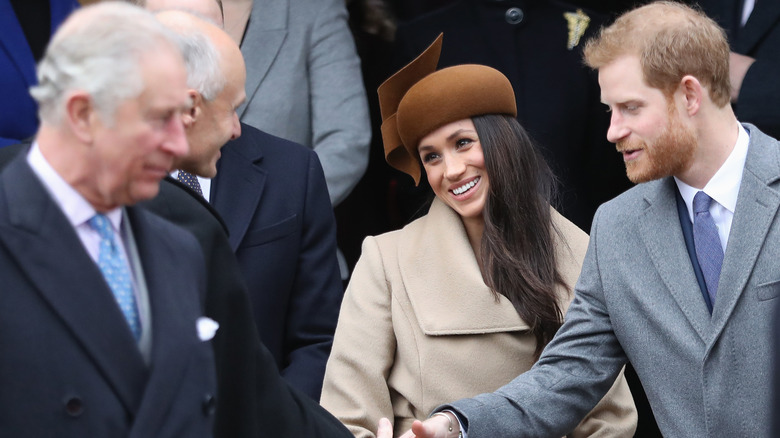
{"points": [[452, 424]]}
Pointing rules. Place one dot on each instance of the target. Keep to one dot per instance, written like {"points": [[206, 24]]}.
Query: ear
{"points": [[81, 115], [692, 93], [196, 109]]}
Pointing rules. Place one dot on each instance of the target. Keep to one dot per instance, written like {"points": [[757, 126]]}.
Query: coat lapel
{"points": [[267, 28], [12, 40], [669, 255], [55, 261], [757, 206], [761, 21], [173, 324], [238, 187], [443, 281]]}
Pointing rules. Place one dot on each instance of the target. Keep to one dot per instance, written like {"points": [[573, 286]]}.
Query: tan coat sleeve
{"points": [[614, 416], [355, 387]]}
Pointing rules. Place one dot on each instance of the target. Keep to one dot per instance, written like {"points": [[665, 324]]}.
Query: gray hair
{"points": [[204, 72], [97, 50]]}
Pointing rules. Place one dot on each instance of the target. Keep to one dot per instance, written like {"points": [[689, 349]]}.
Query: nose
{"points": [[454, 167], [236, 127], [617, 130], [176, 141]]}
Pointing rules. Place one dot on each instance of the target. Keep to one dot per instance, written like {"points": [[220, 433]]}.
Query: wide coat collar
{"points": [[444, 284]]}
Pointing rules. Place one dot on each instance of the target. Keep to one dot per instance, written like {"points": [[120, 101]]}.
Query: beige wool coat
{"points": [[418, 327]]}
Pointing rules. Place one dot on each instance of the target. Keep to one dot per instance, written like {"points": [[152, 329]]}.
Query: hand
{"points": [[738, 67], [434, 427]]}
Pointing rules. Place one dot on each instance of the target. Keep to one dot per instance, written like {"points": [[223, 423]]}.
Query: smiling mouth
{"points": [[466, 187]]}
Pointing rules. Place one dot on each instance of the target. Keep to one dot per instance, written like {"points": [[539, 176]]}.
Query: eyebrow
{"points": [[459, 132], [449, 138]]}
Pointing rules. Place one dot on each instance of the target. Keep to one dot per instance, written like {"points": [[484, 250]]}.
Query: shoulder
{"points": [[309, 13], [569, 236], [630, 204], [254, 144]]}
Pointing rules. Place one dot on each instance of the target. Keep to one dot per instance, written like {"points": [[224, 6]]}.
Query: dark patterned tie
{"points": [[709, 252], [190, 181]]}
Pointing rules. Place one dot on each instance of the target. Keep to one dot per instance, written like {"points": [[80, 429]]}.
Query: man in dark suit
{"points": [[273, 198], [753, 29], [681, 276], [103, 328]]}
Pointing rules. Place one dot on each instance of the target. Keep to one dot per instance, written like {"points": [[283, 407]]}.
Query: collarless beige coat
{"points": [[418, 328]]}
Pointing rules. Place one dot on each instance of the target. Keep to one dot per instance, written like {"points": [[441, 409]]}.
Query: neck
{"points": [[716, 138], [70, 159], [474, 228]]}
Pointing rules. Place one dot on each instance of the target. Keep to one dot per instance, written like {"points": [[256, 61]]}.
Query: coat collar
{"points": [[265, 34], [757, 206], [51, 254], [238, 187], [443, 281], [763, 18], [668, 252]]}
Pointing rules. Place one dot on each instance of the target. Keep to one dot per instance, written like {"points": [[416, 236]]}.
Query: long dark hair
{"points": [[518, 245]]}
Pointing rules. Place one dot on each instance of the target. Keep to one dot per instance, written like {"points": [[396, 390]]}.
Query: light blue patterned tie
{"points": [[707, 243], [115, 269]]}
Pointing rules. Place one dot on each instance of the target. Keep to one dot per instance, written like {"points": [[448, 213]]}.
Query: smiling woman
{"points": [[465, 298]]}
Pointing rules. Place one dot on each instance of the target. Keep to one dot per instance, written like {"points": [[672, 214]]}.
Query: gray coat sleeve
{"points": [[575, 371]]}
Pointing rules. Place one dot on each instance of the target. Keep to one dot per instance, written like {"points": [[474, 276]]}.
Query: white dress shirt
{"points": [[723, 188]]}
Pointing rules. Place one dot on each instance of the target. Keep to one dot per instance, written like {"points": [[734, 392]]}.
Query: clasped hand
{"points": [[434, 427]]}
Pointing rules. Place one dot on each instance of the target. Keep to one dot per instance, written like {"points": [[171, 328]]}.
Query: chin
{"points": [[144, 193]]}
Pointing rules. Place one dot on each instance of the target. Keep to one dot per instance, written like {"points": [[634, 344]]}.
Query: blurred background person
{"points": [[753, 30], [304, 83], [27, 26]]}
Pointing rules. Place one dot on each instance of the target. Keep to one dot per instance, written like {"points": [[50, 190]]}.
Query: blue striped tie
{"points": [[116, 271], [709, 252]]}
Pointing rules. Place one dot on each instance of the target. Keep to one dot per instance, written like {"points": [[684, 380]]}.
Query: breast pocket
{"points": [[260, 236], [768, 290]]}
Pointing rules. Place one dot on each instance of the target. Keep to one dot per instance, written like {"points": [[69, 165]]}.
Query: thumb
{"points": [[385, 429]]}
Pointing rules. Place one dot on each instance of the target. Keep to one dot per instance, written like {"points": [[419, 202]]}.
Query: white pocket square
{"points": [[207, 328]]}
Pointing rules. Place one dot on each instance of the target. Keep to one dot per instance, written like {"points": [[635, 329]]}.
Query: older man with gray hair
{"points": [[103, 331]]}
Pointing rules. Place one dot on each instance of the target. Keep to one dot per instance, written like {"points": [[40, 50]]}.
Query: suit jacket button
{"points": [[514, 15], [74, 406], [209, 405]]}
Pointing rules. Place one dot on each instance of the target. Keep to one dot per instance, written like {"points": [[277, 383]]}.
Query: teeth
{"points": [[464, 187]]}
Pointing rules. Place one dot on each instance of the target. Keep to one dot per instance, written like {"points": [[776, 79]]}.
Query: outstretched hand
{"points": [[434, 427]]}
